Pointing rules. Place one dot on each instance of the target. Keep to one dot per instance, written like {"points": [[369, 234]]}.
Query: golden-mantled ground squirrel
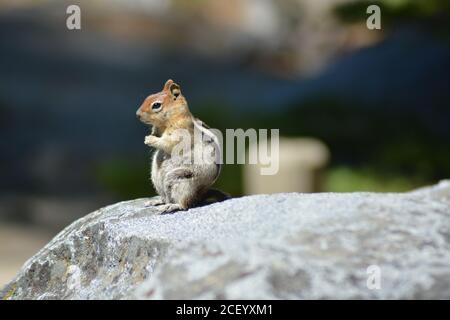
{"points": [[182, 173]]}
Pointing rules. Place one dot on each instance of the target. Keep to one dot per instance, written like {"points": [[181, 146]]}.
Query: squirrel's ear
{"points": [[172, 87], [175, 90], [168, 84]]}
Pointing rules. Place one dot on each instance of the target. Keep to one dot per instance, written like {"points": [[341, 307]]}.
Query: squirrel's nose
{"points": [[138, 115]]}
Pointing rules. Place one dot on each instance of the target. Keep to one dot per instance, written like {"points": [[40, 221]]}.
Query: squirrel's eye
{"points": [[156, 105]]}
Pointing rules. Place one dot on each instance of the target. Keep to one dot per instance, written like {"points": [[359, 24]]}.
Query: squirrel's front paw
{"points": [[150, 140]]}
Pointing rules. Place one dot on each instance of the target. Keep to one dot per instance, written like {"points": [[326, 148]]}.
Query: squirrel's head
{"points": [[165, 107]]}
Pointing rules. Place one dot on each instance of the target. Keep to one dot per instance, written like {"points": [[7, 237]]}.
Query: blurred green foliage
{"points": [[125, 178], [387, 139], [129, 179], [373, 149], [347, 179]]}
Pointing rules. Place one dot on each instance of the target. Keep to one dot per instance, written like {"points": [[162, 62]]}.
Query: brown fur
{"points": [[174, 113]]}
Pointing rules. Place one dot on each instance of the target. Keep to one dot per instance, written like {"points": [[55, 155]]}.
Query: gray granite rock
{"points": [[280, 246]]}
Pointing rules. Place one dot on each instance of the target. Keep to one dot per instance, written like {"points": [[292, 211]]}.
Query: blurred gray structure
{"points": [[301, 162]]}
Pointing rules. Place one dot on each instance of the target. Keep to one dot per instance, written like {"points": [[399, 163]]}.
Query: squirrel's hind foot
{"points": [[162, 206], [156, 201], [169, 208]]}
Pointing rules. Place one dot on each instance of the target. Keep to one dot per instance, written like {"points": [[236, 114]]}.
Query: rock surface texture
{"points": [[280, 246]]}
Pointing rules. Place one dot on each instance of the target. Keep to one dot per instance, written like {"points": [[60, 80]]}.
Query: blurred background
{"points": [[357, 109]]}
